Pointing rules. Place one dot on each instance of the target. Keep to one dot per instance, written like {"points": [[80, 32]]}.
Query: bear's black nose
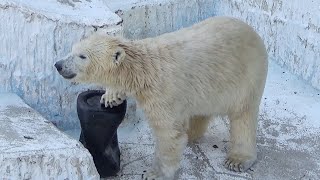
{"points": [[58, 66]]}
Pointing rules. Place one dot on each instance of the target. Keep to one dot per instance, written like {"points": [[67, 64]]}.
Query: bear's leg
{"points": [[243, 129], [170, 144], [113, 98], [197, 127]]}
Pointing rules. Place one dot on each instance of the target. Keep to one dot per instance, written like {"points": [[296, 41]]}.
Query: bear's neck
{"points": [[139, 72]]}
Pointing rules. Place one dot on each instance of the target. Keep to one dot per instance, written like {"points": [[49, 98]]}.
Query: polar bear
{"points": [[182, 79]]}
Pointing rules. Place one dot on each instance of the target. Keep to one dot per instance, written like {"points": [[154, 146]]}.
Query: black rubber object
{"points": [[99, 131]]}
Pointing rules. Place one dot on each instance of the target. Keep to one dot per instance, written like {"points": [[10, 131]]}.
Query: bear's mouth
{"points": [[69, 76]]}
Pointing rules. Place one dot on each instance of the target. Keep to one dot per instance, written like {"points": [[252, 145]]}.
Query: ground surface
{"points": [[288, 138]]}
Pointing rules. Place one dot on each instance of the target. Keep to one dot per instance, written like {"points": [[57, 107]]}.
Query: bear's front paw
{"points": [[113, 98], [239, 163]]}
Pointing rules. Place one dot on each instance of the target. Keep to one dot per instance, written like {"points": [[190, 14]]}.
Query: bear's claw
{"points": [[239, 163], [112, 98], [151, 175]]}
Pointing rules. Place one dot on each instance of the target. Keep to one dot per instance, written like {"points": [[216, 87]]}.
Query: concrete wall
{"points": [[290, 28], [142, 19], [33, 37]]}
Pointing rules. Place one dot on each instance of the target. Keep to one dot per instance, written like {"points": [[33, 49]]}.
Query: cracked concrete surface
{"points": [[288, 138]]}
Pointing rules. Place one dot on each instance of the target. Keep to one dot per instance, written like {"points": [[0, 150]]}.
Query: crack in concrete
{"points": [[70, 3], [135, 160]]}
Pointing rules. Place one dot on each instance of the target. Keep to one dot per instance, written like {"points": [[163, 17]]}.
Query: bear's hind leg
{"points": [[243, 128]]}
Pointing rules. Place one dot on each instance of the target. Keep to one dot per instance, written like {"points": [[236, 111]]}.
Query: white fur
{"points": [[181, 80], [112, 98]]}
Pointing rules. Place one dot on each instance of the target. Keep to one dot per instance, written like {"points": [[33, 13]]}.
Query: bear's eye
{"points": [[82, 56]]}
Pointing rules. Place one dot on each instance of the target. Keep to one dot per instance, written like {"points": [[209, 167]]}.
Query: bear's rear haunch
{"points": [[182, 80]]}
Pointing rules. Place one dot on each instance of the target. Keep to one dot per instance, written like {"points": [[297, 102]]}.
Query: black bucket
{"points": [[99, 131]]}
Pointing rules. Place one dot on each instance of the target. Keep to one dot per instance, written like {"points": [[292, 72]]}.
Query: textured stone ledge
{"points": [[33, 148]]}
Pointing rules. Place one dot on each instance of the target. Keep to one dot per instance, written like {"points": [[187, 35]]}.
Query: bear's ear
{"points": [[118, 55]]}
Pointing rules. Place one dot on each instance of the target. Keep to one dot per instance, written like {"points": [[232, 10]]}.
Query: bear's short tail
{"points": [[197, 127]]}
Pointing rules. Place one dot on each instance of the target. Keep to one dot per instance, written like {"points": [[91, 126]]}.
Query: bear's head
{"points": [[92, 60]]}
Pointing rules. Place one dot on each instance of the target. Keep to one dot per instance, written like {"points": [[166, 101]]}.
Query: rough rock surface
{"points": [[149, 18], [33, 148], [291, 30]]}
